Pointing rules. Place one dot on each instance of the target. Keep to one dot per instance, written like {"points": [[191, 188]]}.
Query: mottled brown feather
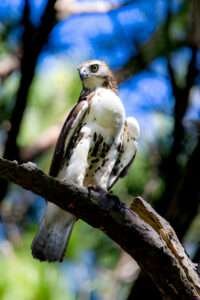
{"points": [[59, 154]]}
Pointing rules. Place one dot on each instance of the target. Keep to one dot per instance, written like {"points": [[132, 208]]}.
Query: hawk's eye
{"points": [[94, 68]]}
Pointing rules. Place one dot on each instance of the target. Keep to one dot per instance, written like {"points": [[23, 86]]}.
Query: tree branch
{"points": [[139, 230], [171, 166], [153, 48], [33, 41], [181, 211], [44, 142], [194, 32], [174, 204]]}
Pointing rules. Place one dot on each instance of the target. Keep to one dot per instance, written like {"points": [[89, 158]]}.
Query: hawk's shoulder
{"points": [[86, 95], [70, 125]]}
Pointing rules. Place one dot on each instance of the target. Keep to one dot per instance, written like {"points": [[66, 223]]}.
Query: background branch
{"points": [[173, 203], [44, 142], [33, 41], [153, 48]]}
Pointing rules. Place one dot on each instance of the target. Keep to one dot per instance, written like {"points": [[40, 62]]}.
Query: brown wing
{"points": [[120, 171], [127, 151], [74, 118]]}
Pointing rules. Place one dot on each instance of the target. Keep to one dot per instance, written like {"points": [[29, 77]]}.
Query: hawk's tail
{"points": [[52, 238]]}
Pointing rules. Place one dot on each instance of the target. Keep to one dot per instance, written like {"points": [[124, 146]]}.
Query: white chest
{"points": [[106, 109]]}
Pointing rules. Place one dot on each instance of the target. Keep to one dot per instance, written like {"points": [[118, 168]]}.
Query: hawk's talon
{"points": [[96, 188]]}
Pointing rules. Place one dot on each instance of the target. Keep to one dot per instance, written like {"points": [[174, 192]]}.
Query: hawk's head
{"points": [[96, 73]]}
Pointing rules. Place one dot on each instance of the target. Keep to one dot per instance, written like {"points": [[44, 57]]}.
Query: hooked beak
{"points": [[83, 73]]}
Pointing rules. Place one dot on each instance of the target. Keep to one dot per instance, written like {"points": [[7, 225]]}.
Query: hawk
{"points": [[96, 146]]}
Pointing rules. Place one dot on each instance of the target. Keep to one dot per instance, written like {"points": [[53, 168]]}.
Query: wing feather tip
{"points": [[133, 127]]}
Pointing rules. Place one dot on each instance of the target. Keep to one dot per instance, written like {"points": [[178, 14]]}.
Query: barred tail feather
{"points": [[52, 238]]}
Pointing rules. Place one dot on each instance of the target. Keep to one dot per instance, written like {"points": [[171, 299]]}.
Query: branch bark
{"points": [[139, 230]]}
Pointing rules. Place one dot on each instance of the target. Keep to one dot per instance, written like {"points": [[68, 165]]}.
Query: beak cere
{"points": [[83, 73]]}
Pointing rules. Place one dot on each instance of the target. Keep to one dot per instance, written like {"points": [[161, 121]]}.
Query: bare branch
{"points": [[140, 230], [33, 41], [152, 49], [45, 141]]}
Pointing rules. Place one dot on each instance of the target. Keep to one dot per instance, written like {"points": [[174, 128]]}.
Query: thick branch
{"points": [[139, 230], [33, 41]]}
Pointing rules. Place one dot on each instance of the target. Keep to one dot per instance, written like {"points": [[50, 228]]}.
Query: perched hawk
{"points": [[96, 146]]}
